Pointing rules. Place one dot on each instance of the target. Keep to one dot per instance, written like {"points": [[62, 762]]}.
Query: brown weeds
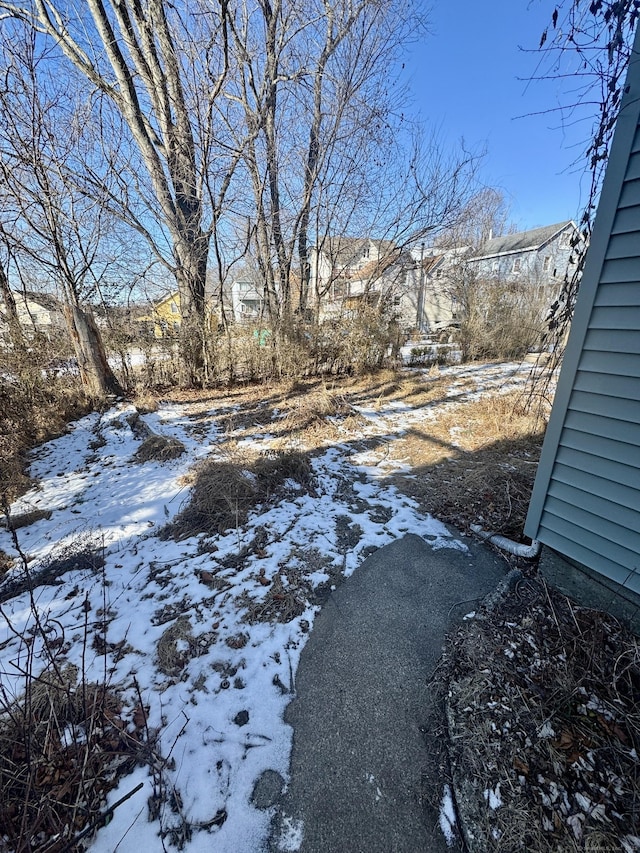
{"points": [[62, 748], [159, 448], [476, 463], [225, 491]]}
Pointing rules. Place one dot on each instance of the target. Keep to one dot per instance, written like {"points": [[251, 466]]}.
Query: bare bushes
{"points": [[225, 491], [357, 341], [354, 342], [63, 745], [499, 320], [65, 739], [33, 408]]}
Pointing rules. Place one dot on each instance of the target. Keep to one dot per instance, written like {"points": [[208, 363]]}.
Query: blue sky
{"points": [[464, 77]]}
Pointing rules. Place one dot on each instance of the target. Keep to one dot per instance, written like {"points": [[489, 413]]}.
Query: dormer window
{"points": [[517, 264]]}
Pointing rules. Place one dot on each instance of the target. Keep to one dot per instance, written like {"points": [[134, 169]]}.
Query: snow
{"points": [[448, 816], [101, 499], [493, 797], [291, 835]]}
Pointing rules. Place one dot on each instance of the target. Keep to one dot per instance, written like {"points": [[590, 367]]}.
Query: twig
{"points": [[100, 820]]}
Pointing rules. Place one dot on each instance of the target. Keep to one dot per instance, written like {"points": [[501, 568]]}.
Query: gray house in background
{"points": [[586, 499], [540, 256]]}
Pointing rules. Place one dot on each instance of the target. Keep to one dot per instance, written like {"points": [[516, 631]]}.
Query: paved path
{"points": [[361, 698]]}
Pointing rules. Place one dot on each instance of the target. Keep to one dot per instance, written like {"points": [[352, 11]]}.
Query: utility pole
{"points": [[420, 310]]}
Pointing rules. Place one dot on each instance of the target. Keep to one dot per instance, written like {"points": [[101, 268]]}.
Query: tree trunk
{"points": [[191, 275], [95, 373], [15, 329]]}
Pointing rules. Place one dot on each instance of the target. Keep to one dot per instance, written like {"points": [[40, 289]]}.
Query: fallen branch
{"points": [[99, 821]]}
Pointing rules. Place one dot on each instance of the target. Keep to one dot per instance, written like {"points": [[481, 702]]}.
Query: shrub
{"points": [[499, 320]]}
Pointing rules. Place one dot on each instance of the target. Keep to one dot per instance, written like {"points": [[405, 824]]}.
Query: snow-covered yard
{"points": [[198, 627]]}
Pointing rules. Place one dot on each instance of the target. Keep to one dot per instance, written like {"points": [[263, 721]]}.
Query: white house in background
{"points": [[339, 261], [427, 304], [350, 272], [37, 312], [586, 498], [350, 267], [247, 300]]}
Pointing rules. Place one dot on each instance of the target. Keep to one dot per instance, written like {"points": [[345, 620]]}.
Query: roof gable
{"points": [[43, 300], [523, 241], [344, 250]]}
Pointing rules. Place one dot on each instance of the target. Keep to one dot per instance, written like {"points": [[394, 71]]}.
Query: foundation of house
{"points": [[590, 589]]}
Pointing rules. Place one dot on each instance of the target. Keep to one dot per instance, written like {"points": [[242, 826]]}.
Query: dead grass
{"points": [[85, 554], [6, 563], [225, 491], [145, 402], [475, 463], [32, 412], [159, 448], [287, 597], [543, 704], [413, 389], [310, 409]]}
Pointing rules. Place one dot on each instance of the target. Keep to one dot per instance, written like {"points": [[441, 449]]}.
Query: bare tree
{"points": [[161, 68], [485, 215], [328, 151], [45, 219]]}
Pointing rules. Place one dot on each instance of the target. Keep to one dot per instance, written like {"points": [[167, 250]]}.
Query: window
{"points": [[517, 264], [495, 266], [546, 263], [174, 308], [244, 286]]}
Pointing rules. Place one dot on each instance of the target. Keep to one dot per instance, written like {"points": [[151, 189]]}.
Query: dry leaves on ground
{"points": [[543, 709]]}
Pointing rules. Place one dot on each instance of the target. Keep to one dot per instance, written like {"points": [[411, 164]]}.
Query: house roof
{"points": [[174, 296], [342, 250], [523, 241], [375, 269], [430, 263]]}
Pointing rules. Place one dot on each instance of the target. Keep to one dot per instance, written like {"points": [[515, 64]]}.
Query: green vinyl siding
{"points": [[586, 498]]}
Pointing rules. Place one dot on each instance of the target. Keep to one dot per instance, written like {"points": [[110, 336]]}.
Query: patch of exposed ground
{"points": [[474, 464], [225, 491], [543, 715]]}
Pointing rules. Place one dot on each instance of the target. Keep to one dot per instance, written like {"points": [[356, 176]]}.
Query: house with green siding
{"points": [[586, 499]]}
